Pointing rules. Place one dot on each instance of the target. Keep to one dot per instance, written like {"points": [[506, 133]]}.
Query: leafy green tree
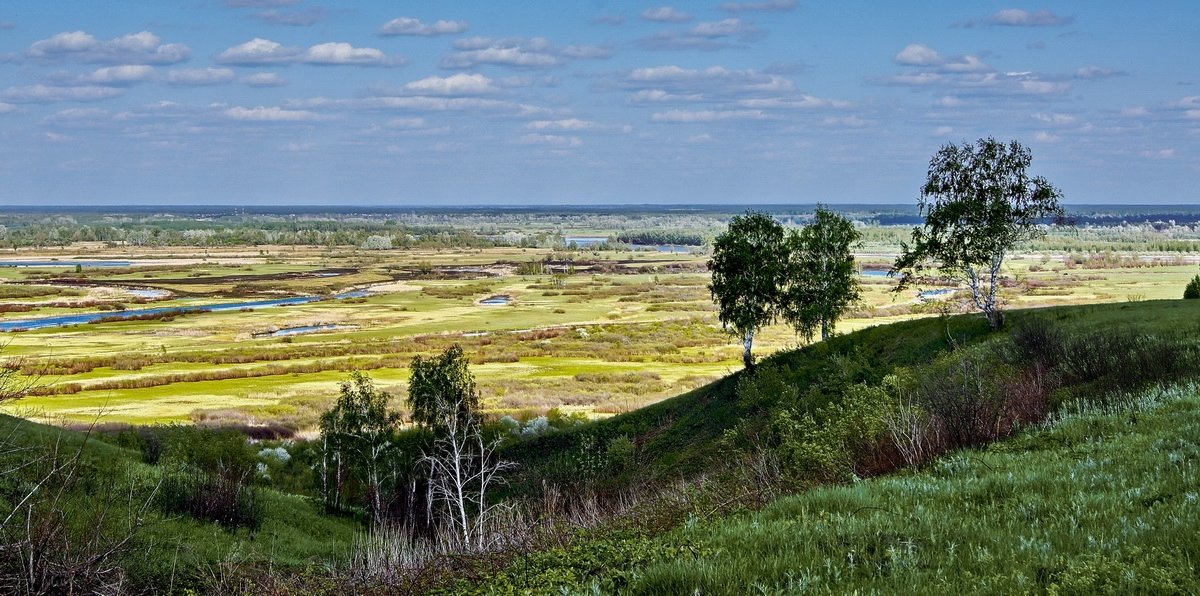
{"points": [[356, 439], [1192, 291], [442, 386], [748, 266], [822, 281], [979, 201]]}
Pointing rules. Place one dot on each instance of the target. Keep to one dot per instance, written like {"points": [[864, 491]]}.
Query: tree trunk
{"points": [[748, 344], [824, 329], [995, 318]]}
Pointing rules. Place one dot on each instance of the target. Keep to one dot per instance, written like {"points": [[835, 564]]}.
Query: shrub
{"points": [[829, 445], [766, 385], [225, 498], [1192, 291], [963, 393], [621, 452]]}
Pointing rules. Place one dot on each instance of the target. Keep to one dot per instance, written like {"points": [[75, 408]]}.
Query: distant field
{"points": [[601, 332]]}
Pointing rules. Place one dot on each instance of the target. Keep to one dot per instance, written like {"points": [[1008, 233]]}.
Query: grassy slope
{"points": [[676, 436], [1097, 504], [295, 532]]}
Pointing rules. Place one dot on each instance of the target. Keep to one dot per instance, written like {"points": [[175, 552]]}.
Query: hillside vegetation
{"points": [[764, 478]]}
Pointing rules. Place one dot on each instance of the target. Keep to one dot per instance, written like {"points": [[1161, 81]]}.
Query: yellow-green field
{"points": [[610, 332]]}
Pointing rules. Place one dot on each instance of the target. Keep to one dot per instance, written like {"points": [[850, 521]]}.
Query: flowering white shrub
{"points": [[276, 453]]}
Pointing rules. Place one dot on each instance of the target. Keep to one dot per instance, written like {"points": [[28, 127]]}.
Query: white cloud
{"points": [[943, 131], [51, 94], [1042, 136], [846, 121], [1135, 111], [259, 3], [6, 108], [340, 53], [406, 123], [1015, 17], [1055, 119], [660, 96], [566, 124], [707, 115], [136, 48], [459, 84], [666, 14], [915, 54], [261, 52], [1160, 154], [293, 18], [1034, 87], [535, 52], [949, 101], [712, 79], [72, 115], [264, 79], [585, 52], [765, 6], [258, 51], [1193, 114], [271, 114], [200, 76], [700, 138], [706, 36], [965, 64], [557, 141], [1097, 72], [800, 102], [721, 28], [412, 26], [127, 74]]}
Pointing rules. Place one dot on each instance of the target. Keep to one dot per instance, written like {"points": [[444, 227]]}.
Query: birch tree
{"points": [[356, 436], [979, 201], [463, 468], [748, 269], [822, 281]]}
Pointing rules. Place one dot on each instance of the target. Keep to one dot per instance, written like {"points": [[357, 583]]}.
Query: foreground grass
{"points": [[1099, 503], [107, 489]]}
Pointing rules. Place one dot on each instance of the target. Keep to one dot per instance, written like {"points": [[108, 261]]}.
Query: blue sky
{"points": [[543, 102]]}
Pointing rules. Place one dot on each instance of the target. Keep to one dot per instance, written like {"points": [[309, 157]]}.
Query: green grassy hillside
{"points": [[1100, 503], [1060, 506], [680, 436]]}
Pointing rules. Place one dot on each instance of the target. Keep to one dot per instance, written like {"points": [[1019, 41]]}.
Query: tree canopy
{"points": [[441, 386], [979, 201], [822, 280], [748, 266], [1192, 291]]}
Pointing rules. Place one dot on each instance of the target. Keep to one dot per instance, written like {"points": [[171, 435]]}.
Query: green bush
{"points": [[225, 498], [828, 445], [1192, 291]]}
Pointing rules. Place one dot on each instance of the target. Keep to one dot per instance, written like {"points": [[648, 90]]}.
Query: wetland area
{"points": [[555, 315]]}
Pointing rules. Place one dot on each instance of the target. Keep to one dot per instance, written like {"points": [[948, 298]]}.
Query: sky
{"points": [[315, 102]]}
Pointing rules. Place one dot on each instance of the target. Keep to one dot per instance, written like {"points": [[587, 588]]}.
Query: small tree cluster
{"points": [[761, 273], [441, 387], [356, 438], [463, 465]]}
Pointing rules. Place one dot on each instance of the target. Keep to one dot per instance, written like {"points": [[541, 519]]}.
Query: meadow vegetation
{"points": [[595, 433]]}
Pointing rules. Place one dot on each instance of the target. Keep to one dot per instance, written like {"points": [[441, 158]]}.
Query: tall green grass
{"points": [[1105, 501]]}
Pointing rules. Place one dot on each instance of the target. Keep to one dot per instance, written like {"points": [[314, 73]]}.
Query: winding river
{"points": [[65, 320]]}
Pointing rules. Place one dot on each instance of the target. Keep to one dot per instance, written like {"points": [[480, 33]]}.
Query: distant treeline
{"points": [[661, 237]]}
